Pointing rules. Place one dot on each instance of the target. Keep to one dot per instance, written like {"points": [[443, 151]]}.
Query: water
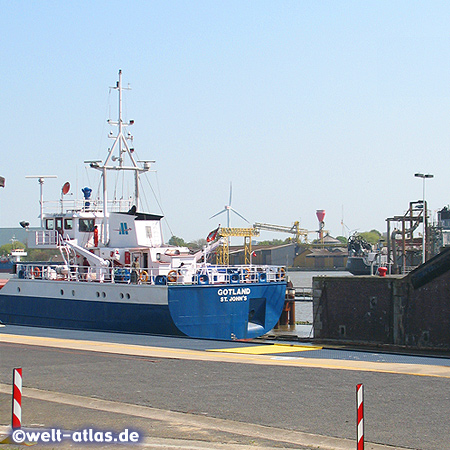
{"points": [[304, 309], [304, 278]]}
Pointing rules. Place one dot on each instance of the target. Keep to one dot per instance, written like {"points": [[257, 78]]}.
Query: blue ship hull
{"points": [[6, 267], [238, 311], [86, 315]]}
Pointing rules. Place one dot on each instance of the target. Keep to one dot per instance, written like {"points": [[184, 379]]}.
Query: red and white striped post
{"points": [[359, 417], [16, 421]]}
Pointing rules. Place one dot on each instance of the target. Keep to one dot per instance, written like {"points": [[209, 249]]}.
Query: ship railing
{"points": [[58, 207], [45, 239], [234, 274], [74, 272], [202, 275], [182, 276], [45, 271]]}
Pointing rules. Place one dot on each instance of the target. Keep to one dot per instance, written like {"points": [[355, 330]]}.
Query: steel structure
{"points": [[300, 233], [410, 221], [223, 253]]}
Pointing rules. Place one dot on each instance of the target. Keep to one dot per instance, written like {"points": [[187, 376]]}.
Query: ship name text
{"points": [[233, 295]]}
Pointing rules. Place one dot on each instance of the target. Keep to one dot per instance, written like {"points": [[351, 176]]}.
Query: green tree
{"points": [[177, 241], [372, 236], [7, 248], [33, 254], [197, 244], [343, 239], [274, 242], [39, 254]]}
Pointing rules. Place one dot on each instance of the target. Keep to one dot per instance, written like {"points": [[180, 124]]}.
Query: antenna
{"points": [[121, 147], [40, 179]]}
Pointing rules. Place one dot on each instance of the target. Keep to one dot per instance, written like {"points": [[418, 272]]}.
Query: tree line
{"points": [[35, 254], [372, 237]]}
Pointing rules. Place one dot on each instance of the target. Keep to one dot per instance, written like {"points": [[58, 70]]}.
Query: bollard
{"points": [[359, 417], [292, 312], [16, 421], [288, 313]]}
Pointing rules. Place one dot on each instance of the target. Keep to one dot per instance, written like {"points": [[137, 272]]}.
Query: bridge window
{"points": [[86, 225], [67, 224], [49, 224], [59, 224]]}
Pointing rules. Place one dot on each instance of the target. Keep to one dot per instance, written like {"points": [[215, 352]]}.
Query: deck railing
{"points": [[58, 207], [202, 275]]}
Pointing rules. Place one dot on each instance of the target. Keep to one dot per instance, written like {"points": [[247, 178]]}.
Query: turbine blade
{"points": [[240, 215], [220, 212]]}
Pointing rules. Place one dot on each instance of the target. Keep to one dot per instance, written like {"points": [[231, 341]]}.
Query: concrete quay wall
{"points": [[411, 311]]}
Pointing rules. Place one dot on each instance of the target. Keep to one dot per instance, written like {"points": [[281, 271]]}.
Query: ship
{"points": [[8, 262], [118, 274], [363, 259]]}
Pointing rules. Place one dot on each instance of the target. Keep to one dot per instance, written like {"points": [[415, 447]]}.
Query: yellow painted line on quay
{"points": [[267, 349], [242, 358]]}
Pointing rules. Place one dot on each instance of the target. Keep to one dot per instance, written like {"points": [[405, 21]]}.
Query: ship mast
{"points": [[116, 162]]}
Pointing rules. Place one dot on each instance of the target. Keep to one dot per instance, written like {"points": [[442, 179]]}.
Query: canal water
{"points": [[304, 278], [303, 327]]}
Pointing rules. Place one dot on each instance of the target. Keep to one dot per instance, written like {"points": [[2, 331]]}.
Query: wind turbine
{"points": [[227, 209]]}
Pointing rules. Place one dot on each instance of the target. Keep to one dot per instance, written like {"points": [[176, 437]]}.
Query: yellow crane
{"points": [[223, 253], [300, 233]]}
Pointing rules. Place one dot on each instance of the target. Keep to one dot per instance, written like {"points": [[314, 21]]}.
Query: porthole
{"points": [[121, 295], [104, 294], [98, 294], [73, 292], [62, 291], [18, 289], [128, 296]]}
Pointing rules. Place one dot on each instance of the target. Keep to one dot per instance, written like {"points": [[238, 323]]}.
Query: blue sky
{"points": [[302, 105]]}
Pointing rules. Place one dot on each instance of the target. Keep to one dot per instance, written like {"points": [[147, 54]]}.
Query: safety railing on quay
{"points": [[303, 294]]}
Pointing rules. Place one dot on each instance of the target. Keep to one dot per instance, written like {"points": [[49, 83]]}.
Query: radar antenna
{"points": [[116, 162], [40, 179]]}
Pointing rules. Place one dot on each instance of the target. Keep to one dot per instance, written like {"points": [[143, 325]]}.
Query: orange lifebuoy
{"points": [[144, 277], [172, 276], [36, 272]]}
